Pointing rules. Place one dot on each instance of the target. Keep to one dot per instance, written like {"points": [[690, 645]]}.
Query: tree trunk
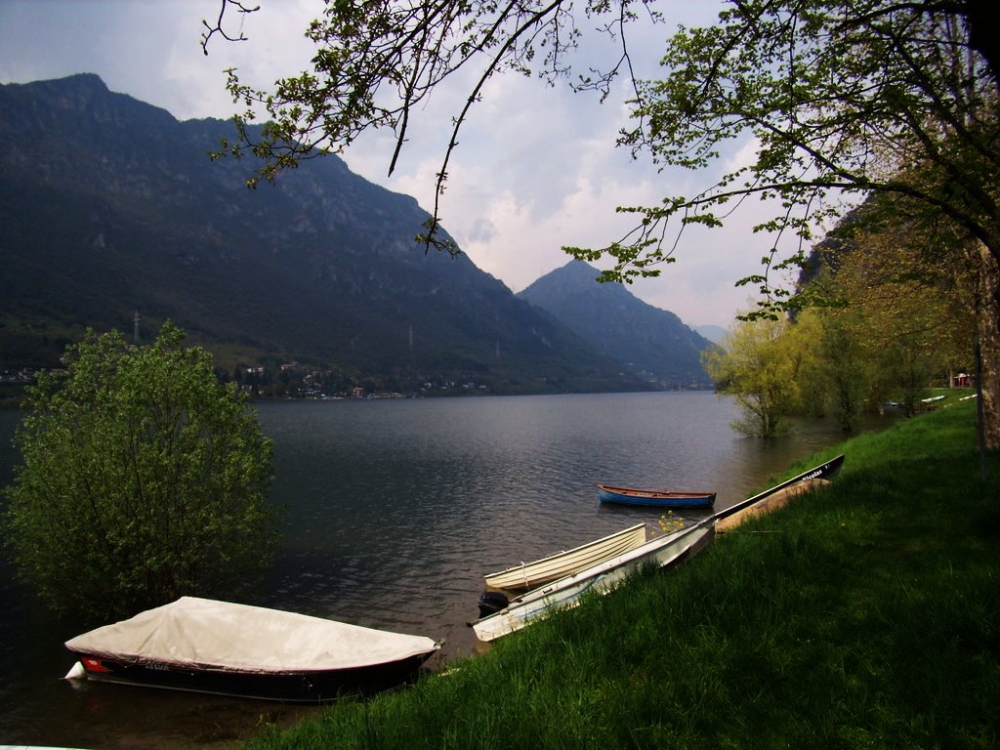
{"points": [[988, 316], [982, 34]]}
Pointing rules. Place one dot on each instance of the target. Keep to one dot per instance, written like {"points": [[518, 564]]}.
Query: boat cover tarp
{"points": [[205, 632]]}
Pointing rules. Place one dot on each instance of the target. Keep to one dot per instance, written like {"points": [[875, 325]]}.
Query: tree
{"points": [[842, 366], [907, 315], [143, 479], [817, 378], [377, 63], [854, 96], [758, 363]]}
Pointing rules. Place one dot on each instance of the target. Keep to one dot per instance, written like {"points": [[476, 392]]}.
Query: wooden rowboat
{"points": [[601, 578], [208, 646], [656, 498], [533, 574]]}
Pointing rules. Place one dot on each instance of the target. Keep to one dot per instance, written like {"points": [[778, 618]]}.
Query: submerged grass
{"points": [[864, 615]]}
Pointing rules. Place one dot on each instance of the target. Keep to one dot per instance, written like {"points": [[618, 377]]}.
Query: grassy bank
{"points": [[865, 615]]}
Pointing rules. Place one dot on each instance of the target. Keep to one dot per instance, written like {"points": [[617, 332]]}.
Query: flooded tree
{"points": [[142, 479]]}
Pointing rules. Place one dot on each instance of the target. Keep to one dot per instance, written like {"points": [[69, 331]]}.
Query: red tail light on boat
{"points": [[93, 665]]}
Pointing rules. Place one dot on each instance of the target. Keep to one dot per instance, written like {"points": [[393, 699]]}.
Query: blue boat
{"points": [[654, 498]]}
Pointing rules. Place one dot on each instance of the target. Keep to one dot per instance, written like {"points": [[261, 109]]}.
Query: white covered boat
{"points": [[533, 574], [600, 578], [211, 646]]}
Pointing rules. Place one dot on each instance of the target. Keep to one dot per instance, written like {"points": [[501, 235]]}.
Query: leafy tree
{"points": [[758, 363], [894, 315], [909, 315], [855, 96], [143, 479], [844, 368], [815, 384], [377, 63]]}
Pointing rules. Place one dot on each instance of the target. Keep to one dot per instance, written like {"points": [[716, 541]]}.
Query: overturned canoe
{"points": [[209, 646], [825, 470], [772, 502], [533, 574], [779, 495]]}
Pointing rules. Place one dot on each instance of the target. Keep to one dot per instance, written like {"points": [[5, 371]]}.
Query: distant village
{"points": [[295, 381]]}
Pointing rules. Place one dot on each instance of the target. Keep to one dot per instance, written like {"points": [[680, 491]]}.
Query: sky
{"points": [[536, 167]]}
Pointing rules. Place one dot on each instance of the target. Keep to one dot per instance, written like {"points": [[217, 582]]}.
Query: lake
{"points": [[396, 509]]}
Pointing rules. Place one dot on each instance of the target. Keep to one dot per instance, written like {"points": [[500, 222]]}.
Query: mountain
{"points": [[712, 333], [653, 343], [110, 208]]}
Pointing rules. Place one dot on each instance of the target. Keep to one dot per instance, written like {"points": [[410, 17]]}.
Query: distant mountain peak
{"points": [[77, 89], [581, 277], [713, 333], [653, 343]]}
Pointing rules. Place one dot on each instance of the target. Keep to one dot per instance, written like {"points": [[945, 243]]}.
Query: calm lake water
{"points": [[396, 511]]}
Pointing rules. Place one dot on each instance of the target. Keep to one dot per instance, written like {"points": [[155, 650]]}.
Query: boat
{"points": [[772, 502], [601, 578], [531, 575], [777, 496], [657, 498], [665, 551], [209, 646]]}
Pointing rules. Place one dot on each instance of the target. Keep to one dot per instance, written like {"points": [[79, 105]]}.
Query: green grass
{"points": [[865, 615]]}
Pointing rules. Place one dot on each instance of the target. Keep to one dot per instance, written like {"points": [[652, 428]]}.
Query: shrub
{"points": [[142, 479]]}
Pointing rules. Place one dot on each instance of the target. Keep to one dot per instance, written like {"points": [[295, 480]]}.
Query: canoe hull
{"points": [[771, 503], [654, 498], [600, 579], [531, 575], [823, 471]]}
